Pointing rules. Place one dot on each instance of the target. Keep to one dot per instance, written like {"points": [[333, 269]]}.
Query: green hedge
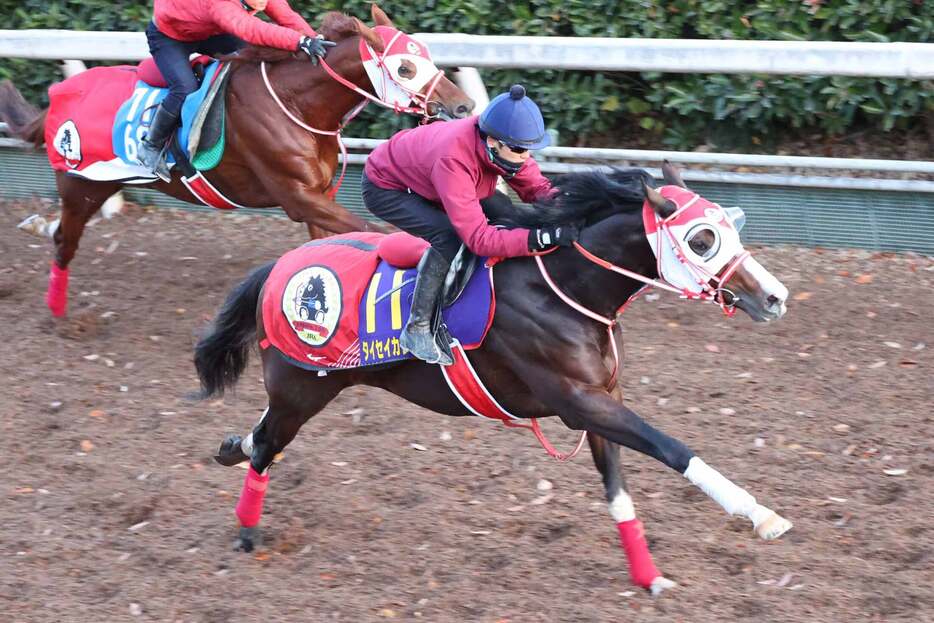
{"points": [[681, 110]]}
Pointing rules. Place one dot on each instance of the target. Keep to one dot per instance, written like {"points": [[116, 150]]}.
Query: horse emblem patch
{"points": [[312, 302], [67, 142]]}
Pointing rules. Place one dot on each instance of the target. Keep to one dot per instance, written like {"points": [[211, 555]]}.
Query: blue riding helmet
{"points": [[515, 120]]}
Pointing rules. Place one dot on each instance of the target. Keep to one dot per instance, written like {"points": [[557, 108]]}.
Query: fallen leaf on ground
{"points": [[785, 580]]}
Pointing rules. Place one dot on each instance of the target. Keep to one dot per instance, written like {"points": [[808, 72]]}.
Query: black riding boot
{"points": [[418, 337], [152, 148]]}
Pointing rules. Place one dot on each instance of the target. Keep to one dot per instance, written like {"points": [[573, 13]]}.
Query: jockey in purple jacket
{"points": [[429, 181]]}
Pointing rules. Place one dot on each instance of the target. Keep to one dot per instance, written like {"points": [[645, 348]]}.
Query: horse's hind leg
{"points": [[80, 200], [295, 395], [631, 533]]}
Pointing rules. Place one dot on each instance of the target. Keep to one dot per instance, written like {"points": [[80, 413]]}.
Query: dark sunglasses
{"points": [[513, 148]]}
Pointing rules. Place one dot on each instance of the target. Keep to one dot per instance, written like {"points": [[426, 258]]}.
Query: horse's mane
{"points": [[335, 27], [585, 198]]}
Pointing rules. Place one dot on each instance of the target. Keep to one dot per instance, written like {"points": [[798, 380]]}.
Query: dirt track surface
{"points": [[113, 509]]}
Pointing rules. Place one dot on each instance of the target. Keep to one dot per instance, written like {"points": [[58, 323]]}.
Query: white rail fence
{"points": [[883, 60], [893, 60]]}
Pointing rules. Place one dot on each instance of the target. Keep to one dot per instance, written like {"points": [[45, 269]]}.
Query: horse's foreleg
{"points": [[642, 570], [597, 412]]}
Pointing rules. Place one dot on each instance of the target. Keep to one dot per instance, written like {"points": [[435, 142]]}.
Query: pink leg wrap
{"points": [[57, 295], [641, 568], [250, 505]]}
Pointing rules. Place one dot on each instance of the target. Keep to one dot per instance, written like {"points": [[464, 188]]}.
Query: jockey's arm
{"points": [[456, 189], [235, 21], [281, 13], [529, 183]]}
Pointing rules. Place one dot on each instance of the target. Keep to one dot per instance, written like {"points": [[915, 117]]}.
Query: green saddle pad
{"points": [[209, 157]]}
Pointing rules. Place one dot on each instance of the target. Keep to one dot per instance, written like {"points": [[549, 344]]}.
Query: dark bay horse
{"points": [[541, 357], [269, 160]]}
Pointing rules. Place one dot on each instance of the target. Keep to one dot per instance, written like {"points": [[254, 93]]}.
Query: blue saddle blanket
{"points": [[133, 118], [386, 307]]}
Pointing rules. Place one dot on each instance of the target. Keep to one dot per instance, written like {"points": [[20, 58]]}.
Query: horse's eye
{"points": [[406, 72], [699, 246], [704, 243]]}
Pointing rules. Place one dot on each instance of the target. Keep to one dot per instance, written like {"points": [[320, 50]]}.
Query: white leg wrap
{"points": [[734, 500], [621, 508]]}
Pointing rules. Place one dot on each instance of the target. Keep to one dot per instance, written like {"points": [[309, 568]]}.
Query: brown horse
{"points": [[543, 355], [269, 160]]}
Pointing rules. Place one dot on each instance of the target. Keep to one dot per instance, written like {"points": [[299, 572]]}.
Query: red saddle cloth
{"points": [[80, 122], [89, 101], [311, 300]]}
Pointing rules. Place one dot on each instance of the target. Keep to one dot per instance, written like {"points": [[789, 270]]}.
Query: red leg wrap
{"points": [[250, 505], [641, 568], [56, 296]]}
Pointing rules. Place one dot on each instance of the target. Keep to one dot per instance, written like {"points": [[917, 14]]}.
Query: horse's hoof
{"points": [[248, 540], [33, 224], [661, 584], [773, 527], [230, 452]]}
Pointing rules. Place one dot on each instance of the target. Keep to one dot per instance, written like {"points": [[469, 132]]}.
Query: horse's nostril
{"points": [[773, 300], [463, 110]]}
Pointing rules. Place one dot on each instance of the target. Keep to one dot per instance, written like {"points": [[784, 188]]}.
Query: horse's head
{"points": [[698, 249], [399, 67]]}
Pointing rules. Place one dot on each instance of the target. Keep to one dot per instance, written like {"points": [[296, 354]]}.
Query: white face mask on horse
{"points": [[400, 71], [699, 270]]}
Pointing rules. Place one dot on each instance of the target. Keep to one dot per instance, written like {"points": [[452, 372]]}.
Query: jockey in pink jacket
{"points": [[180, 28], [429, 181]]}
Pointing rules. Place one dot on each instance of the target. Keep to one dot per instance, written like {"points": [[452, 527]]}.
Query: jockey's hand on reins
{"points": [[552, 235], [315, 47]]}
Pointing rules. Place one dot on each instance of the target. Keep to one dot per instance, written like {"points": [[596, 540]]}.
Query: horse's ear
{"points": [[369, 35], [672, 175], [663, 207], [379, 16]]}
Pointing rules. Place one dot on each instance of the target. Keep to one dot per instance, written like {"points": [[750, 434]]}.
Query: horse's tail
{"points": [[222, 355], [24, 120]]}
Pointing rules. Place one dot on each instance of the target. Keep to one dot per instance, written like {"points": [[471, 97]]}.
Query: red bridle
{"points": [[422, 106]]}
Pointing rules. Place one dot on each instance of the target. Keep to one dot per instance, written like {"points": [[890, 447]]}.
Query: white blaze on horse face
{"points": [[621, 507], [769, 286]]}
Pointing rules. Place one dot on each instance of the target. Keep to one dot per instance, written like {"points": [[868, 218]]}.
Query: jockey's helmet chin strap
{"points": [[508, 169]]}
